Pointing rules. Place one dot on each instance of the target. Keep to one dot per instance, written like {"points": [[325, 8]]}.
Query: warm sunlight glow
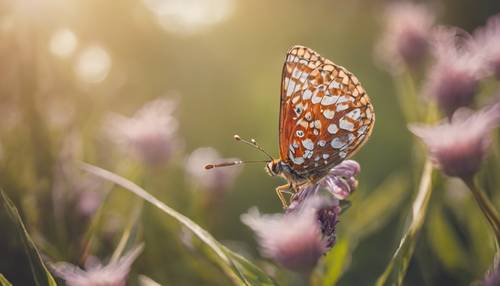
{"points": [[189, 16], [63, 43], [93, 64]]}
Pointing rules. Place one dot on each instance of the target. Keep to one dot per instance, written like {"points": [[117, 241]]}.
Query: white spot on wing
{"points": [[354, 114], [329, 100], [337, 143], [298, 160], [362, 129], [291, 88], [308, 144], [316, 99], [307, 94], [329, 114], [303, 77], [332, 128], [322, 143], [334, 84], [317, 124], [308, 154], [341, 107], [346, 124]]}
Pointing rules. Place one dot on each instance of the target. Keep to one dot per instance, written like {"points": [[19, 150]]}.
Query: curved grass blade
{"points": [[397, 267], [240, 270], [41, 276], [378, 208], [4, 281]]}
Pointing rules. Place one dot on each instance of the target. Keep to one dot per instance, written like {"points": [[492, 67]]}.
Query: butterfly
{"points": [[325, 118]]}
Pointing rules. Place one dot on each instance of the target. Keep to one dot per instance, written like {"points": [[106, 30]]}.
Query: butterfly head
{"points": [[274, 167]]}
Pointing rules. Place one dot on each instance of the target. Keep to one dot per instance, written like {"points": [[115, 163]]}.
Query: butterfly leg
{"points": [[279, 191]]}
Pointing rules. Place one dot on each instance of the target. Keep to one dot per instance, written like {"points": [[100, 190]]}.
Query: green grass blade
{"points": [[376, 209], [444, 241], [41, 276], [240, 270], [129, 234], [397, 267], [335, 261], [4, 281]]}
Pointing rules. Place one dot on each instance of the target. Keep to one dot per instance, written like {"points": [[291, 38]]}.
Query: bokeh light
{"points": [[93, 64], [63, 43], [189, 16]]}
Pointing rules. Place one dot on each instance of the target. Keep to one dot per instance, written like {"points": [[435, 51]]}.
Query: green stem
{"points": [[486, 206]]}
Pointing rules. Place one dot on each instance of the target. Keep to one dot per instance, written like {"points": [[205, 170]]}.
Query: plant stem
{"points": [[486, 206]]}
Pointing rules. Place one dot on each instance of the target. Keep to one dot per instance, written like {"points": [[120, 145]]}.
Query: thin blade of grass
{"points": [[129, 234], [240, 270], [41, 276], [335, 262], [377, 208], [4, 281], [444, 241], [397, 267]]}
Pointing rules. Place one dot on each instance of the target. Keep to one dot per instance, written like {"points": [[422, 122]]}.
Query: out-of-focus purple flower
{"points": [[113, 274], [406, 37], [151, 134], [215, 180], [73, 192], [493, 277], [340, 182], [453, 79], [459, 147], [488, 41], [293, 239]]}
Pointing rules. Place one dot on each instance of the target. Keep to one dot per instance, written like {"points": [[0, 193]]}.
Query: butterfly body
{"points": [[282, 169], [325, 117]]}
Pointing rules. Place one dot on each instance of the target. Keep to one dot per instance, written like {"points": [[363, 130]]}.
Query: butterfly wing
{"points": [[325, 114]]}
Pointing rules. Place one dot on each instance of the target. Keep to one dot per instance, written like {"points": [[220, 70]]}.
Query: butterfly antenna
{"points": [[254, 144], [226, 164]]}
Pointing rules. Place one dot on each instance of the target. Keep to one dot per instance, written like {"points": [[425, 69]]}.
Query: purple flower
{"points": [[493, 277], [151, 134], [73, 192], [488, 41], [453, 79], [405, 40], [459, 147], [340, 182], [113, 274], [294, 239], [215, 180]]}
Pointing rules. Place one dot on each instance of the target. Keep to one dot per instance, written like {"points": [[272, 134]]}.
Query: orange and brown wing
{"points": [[325, 114]]}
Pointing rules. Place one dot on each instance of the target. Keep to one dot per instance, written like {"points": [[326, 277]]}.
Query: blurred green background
{"points": [[221, 61]]}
